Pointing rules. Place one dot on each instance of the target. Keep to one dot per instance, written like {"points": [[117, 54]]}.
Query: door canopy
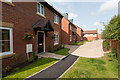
{"points": [[42, 25]]}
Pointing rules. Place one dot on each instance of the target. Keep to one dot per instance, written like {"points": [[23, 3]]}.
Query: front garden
{"points": [[62, 51], [33, 65], [105, 67], [30, 69]]}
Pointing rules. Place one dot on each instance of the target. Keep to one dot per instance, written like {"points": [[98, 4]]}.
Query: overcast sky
{"points": [[87, 14]]}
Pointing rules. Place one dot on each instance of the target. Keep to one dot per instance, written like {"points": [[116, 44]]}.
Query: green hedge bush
{"points": [[106, 44]]}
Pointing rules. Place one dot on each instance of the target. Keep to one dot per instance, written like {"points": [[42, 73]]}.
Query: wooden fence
{"points": [[116, 45]]}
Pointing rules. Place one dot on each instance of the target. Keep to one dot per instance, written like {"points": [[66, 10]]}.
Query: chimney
{"points": [[65, 15], [96, 29], [71, 20]]}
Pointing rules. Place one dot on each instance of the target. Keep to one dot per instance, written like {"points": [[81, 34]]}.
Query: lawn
{"points": [[105, 67], [32, 68], [79, 43], [62, 51]]}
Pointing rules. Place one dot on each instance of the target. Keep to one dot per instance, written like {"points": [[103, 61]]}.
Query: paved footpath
{"points": [[56, 70], [90, 50]]}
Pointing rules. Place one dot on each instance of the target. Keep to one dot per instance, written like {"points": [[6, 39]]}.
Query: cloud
{"points": [[97, 24], [72, 15], [106, 7], [77, 0]]}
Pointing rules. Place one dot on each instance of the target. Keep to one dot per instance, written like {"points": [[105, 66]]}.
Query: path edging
{"points": [[46, 68], [68, 68]]}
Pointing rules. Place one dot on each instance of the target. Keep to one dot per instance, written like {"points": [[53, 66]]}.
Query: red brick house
{"points": [[69, 34], [37, 18], [99, 36], [73, 33], [79, 34], [65, 31], [90, 35]]}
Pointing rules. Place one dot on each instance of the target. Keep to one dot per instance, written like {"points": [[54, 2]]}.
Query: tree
{"points": [[112, 30]]}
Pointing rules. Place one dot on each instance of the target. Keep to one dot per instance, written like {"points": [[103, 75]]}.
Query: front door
{"points": [[40, 42]]}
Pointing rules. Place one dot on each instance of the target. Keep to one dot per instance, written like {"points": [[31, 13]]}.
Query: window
{"points": [[56, 19], [6, 41], [70, 38], [75, 29], [40, 9], [74, 37], [56, 38], [70, 27]]}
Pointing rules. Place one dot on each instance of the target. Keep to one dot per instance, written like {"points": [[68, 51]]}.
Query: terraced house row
{"points": [[33, 26]]}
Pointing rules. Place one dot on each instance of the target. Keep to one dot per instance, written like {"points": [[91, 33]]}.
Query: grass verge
{"points": [[62, 51], [105, 67], [31, 69], [79, 43]]}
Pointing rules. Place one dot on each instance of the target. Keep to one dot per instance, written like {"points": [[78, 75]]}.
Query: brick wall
{"points": [[79, 34], [99, 36], [23, 16], [65, 31]]}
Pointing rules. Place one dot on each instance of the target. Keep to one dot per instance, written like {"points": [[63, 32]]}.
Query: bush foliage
{"points": [[106, 44], [112, 29]]}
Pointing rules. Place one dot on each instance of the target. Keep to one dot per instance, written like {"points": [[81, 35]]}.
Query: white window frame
{"points": [[11, 42], [41, 9], [58, 39], [56, 19], [70, 37]]}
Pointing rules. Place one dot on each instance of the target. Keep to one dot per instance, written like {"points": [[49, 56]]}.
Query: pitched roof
{"points": [[90, 31], [79, 27], [52, 8]]}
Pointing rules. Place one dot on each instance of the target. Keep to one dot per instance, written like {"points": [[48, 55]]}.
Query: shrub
{"points": [[106, 44], [33, 57], [114, 52], [60, 47], [110, 54], [63, 46], [49, 48], [6, 69]]}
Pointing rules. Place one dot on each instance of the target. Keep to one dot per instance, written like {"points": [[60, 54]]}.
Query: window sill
{"points": [[56, 23], [40, 15], [7, 56], [56, 44], [9, 3]]}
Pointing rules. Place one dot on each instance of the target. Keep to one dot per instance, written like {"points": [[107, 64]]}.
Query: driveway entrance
{"points": [[90, 50]]}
